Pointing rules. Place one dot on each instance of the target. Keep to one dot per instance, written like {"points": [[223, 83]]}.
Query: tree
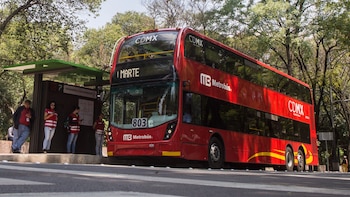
{"points": [[46, 12], [197, 14], [167, 13], [132, 22], [97, 44], [34, 30]]}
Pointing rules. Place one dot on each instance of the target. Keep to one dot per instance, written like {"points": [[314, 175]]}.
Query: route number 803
{"points": [[139, 122]]}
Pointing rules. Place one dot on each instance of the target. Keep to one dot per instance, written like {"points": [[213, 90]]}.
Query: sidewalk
{"points": [[6, 155], [51, 158]]}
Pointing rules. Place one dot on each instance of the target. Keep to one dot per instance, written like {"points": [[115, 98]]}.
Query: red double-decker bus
{"points": [[177, 93]]}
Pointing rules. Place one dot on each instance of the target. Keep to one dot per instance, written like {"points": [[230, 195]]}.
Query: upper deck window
{"points": [[217, 57], [148, 46]]}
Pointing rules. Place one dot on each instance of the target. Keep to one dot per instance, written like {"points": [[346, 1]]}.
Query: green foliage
{"points": [[98, 45], [34, 30], [32, 42], [132, 22], [166, 13], [14, 89], [5, 110], [46, 12]]}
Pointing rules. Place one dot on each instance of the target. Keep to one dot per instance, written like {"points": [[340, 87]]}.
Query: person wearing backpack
{"points": [[345, 164], [50, 117], [74, 129], [23, 120]]}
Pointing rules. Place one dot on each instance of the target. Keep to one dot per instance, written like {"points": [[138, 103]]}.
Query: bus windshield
{"points": [[143, 105], [148, 46]]}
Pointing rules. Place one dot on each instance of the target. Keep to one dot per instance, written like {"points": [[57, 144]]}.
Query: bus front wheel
{"points": [[289, 157], [301, 160], [215, 153]]}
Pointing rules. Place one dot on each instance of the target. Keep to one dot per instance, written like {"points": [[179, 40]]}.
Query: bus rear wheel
{"points": [[301, 160], [289, 158], [215, 153]]}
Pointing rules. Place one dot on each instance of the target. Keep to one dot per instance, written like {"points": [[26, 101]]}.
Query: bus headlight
{"points": [[169, 130], [109, 134]]}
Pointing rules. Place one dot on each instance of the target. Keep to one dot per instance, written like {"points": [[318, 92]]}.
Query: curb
{"points": [[53, 158]]}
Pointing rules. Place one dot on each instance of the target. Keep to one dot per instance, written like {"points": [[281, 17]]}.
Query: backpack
{"points": [[344, 161], [66, 124]]}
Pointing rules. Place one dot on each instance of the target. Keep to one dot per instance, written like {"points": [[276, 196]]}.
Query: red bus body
{"points": [[193, 141]]}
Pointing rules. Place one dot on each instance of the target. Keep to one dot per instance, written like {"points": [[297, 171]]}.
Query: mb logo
{"points": [[205, 79], [127, 137]]}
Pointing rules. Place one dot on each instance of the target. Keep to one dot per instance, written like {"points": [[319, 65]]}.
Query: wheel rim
{"points": [[289, 159], [300, 160], [215, 152]]}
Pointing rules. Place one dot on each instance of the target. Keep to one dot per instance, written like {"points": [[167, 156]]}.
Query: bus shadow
{"points": [[182, 163]]}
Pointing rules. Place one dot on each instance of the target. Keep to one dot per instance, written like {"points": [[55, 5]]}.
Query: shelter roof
{"points": [[62, 71]]}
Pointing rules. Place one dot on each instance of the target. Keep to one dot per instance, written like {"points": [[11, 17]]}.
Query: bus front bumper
{"points": [[143, 149]]}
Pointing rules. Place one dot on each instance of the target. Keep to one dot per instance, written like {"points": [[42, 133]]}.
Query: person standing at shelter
{"points": [[50, 117], [99, 128], [74, 129], [23, 119], [345, 164]]}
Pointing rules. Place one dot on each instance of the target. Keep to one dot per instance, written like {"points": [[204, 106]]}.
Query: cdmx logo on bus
{"points": [[146, 39], [196, 41], [296, 108]]}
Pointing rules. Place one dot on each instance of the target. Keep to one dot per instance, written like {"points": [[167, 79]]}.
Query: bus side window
{"points": [[192, 108], [188, 52], [222, 60], [240, 71], [187, 108], [253, 72], [215, 119], [194, 52], [230, 68]]}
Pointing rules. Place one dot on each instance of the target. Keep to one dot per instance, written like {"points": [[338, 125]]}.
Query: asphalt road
{"points": [[36, 179]]}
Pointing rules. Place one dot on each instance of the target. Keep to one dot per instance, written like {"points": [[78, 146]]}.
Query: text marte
{"points": [[128, 73]]}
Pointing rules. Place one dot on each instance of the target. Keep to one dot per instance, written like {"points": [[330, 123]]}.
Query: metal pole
{"points": [[335, 162], [327, 156], [331, 100]]}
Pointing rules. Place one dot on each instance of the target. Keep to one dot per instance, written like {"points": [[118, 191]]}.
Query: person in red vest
{"points": [[74, 129], [50, 117], [23, 120], [99, 128]]}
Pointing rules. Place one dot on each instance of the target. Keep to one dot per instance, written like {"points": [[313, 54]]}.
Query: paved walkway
{"points": [[52, 158], [6, 155]]}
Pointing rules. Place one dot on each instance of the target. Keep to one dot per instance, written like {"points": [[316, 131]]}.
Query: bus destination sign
{"points": [[154, 69]]}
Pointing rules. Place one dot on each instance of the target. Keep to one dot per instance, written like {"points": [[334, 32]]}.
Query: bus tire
{"points": [[215, 153], [301, 161], [289, 158]]}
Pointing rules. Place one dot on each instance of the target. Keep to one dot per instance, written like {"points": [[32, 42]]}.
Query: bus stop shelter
{"points": [[67, 81]]}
